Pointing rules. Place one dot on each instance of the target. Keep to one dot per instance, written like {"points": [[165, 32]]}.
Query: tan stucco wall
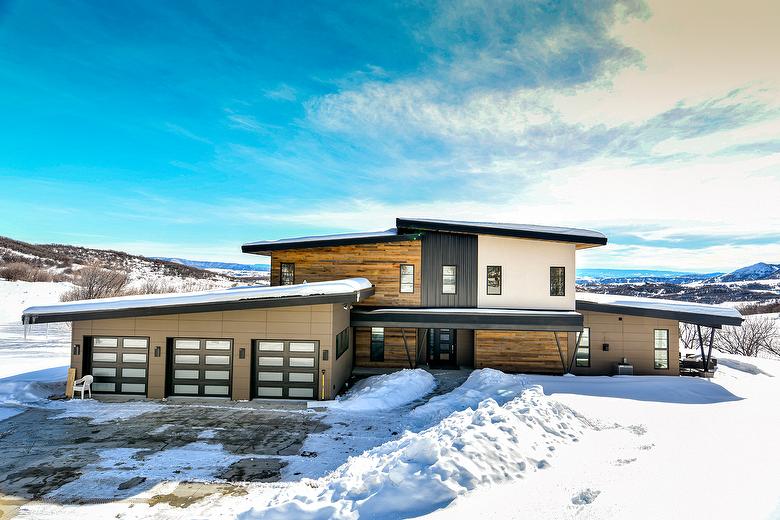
{"points": [[630, 337], [308, 322], [525, 268]]}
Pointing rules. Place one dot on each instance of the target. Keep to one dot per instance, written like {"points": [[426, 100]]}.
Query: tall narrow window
{"points": [[377, 344], [661, 348], [287, 274], [557, 281], [407, 278], [449, 279], [342, 342], [494, 279], [583, 349]]}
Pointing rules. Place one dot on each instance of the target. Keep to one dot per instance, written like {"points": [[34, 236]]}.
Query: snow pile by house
{"points": [[421, 472], [482, 384], [386, 391]]}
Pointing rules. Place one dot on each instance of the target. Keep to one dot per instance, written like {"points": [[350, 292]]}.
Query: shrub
{"points": [[94, 281], [20, 271]]}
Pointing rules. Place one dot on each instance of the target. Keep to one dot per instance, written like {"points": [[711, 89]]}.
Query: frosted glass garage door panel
{"points": [[269, 391], [217, 345], [302, 362], [134, 372], [134, 343], [104, 356], [185, 389], [300, 392], [104, 372], [216, 390], [217, 360], [188, 344], [270, 361], [295, 377], [104, 387], [105, 342], [270, 376], [217, 374], [133, 388], [191, 360], [134, 358], [302, 346], [185, 374], [270, 346]]}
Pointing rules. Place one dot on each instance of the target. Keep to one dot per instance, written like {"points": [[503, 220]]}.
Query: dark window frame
{"points": [[554, 269], [656, 349], [342, 342], [375, 347], [500, 280], [456, 279], [281, 273], [401, 278], [579, 346]]}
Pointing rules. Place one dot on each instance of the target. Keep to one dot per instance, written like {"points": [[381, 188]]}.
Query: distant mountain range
{"points": [[228, 266], [759, 271], [586, 276]]}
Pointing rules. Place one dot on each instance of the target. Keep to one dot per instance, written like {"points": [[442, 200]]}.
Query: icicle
{"points": [[26, 325]]}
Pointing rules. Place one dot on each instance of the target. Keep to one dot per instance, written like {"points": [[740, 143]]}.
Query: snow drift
{"points": [[421, 472], [387, 391]]}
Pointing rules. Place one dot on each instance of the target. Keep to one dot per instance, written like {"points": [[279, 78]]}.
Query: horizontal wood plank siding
{"points": [[395, 353], [379, 263], [519, 351]]}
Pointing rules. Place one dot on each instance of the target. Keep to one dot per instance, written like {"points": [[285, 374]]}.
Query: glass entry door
{"points": [[442, 348]]}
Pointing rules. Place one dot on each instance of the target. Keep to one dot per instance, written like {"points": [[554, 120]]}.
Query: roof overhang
{"points": [[497, 319], [584, 238], [697, 318], [204, 301], [267, 247]]}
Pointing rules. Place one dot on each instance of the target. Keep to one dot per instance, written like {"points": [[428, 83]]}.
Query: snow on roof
{"points": [[248, 293], [662, 308], [324, 240], [534, 228], [458, 310]]}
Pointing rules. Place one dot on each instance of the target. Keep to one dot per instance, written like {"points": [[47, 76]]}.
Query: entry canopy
{"points": [[687, 312], [468, 318], [350, 290]]}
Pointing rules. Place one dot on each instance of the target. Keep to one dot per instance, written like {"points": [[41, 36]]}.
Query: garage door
{"points": [[119, 365], [286, 369], [201, 367]]}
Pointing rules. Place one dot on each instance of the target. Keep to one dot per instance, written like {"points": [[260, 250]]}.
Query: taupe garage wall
{"points": [[629, 337], [308, 322]]}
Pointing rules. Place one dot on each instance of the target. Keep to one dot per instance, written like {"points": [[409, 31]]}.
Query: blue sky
{"points": [[188, 128]]}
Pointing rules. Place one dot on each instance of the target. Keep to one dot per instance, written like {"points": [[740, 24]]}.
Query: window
{"points": [[377, 344], [448, 279], [557, 281], [287, 274], [583, 349], [342, 342], [407, 278], [494, 279], [661, 348]]}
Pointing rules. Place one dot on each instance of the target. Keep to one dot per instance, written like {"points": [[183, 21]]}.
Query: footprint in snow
{"points": [[585, 497], [623, 462]]}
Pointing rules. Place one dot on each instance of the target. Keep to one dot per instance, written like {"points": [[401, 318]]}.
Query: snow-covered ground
{"points": [[498, 445]]}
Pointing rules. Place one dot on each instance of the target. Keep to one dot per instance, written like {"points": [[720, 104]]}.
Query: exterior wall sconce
{"points": [[605, 347], [242, 353], [157, 351]]}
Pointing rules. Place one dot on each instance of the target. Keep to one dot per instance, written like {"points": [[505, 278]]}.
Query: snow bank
{"points": [[387, 391], [482, 384], [28, 389], [421, 472]]}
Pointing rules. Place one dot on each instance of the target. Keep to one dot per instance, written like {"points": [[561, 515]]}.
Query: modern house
{"points": [[442, 294]]}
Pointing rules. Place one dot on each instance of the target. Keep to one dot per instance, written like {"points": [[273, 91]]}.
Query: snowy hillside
{"points": [[759, 271]]}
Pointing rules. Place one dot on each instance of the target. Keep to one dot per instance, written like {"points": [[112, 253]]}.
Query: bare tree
{"points": [[756, 335], [688, 336], [94, 281]]}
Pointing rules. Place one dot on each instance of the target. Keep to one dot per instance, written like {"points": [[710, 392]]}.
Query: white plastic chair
{"points": [[85, 383]]}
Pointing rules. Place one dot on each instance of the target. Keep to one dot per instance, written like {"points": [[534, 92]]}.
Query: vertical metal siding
{"points": [[457, 249]]}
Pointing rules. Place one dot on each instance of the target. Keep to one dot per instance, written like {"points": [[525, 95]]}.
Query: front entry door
{"points": [[442, 348]]}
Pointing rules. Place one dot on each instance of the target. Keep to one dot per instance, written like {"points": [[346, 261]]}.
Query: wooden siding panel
{"points": [[395, 353], [379, 263], [519, 351]]}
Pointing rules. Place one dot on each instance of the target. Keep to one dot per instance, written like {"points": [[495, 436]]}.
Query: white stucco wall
{"points": [[525, 272]]}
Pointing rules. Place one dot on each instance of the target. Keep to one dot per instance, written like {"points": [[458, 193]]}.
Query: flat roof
{"points": [[390, 235], [687, 312], [559, 234], [350, 290], [467, 318]]}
